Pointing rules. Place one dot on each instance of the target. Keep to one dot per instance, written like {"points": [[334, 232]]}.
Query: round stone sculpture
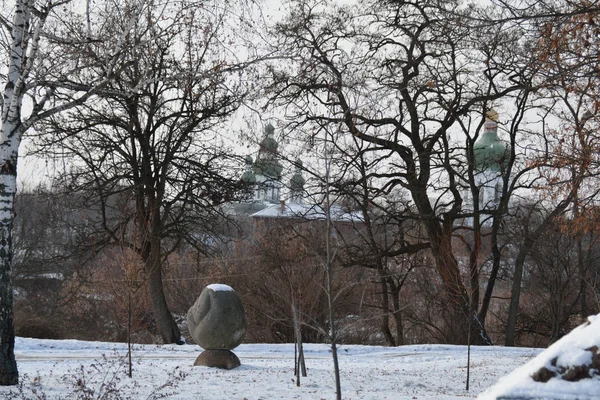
{"points": [[217, 323]]}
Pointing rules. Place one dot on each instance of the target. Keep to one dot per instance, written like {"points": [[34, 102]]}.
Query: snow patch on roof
{"points": [[308, 212]]}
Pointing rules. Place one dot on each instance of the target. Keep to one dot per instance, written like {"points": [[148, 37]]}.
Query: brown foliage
{"points": [[283, 266]]}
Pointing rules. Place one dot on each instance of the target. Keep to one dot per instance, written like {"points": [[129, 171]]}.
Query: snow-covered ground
{"points": [[567, 370], [92, 370]]}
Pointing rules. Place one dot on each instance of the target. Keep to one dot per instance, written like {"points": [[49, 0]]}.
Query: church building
{"points": [[269, 197], [490, 154]]}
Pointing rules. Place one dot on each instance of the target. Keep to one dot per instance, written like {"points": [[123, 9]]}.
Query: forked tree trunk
{"points": [[464, 318], [397, 311]]}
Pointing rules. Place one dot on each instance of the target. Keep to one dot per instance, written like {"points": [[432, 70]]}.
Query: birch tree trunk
{"points": [[28, 22], [8, 182], [10, 138]]}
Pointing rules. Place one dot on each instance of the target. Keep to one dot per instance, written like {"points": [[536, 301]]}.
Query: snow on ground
{"points": [[567, 370], [76, 369]]}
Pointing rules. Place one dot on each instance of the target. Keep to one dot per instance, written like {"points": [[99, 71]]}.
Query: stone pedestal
{"points": [[224, 359]]}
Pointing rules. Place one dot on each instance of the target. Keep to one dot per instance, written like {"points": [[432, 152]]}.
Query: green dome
{"points": [[267, 163], [297, 182], [269, 129], [490, 152], [269, 167], [269, 144], [249, 176]]}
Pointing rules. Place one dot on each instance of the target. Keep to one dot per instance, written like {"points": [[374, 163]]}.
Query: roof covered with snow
{"points": [[307, 212]]}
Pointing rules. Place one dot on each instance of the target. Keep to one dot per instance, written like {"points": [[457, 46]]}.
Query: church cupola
{"points": [[267, 169], [267, 163], [490, 158], [269, 145], [249, 177], [490, 153], [297, 184]]}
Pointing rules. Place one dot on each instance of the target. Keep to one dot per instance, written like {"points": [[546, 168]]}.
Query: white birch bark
{"points": [[25, 35], [10, 137]]}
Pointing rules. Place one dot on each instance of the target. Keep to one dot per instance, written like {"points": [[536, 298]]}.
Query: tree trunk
{"points": [[397, 312], [8, 365], [474, 267], [582, 280], [516, 293], [385, 306], [129, 364], [19, 67], [165, 323], [496, 257], [458, 300], [329, 272], [23, 53], [8, 182], [580, 265], [10, 138], [299, 363], [556, 301]]}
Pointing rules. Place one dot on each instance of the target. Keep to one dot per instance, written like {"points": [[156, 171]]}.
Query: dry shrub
{"points": [[117, 288], [185, 275], [284, 266], [94, 303], [28, 324]]}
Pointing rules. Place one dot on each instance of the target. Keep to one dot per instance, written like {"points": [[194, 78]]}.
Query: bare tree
{"points": [[388, 238], [153, 137], [39, 64], [571, 92], [400, 75]]}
